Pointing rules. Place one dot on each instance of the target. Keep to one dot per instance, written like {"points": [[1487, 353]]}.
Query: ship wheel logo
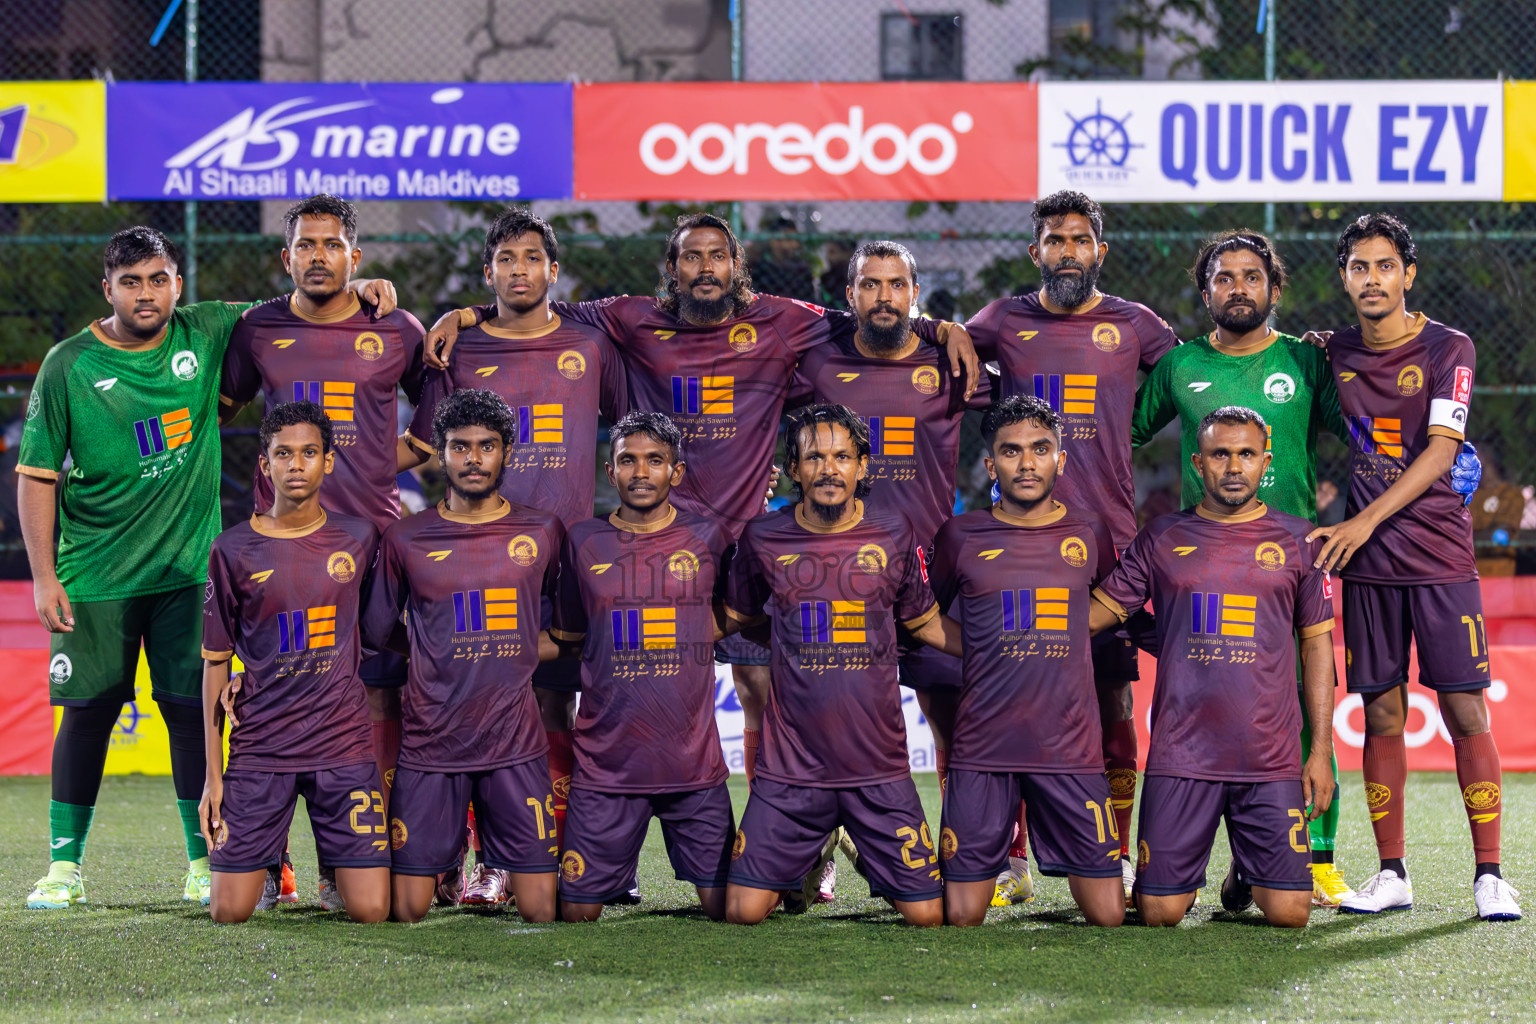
{"points": [[1098, 140]]}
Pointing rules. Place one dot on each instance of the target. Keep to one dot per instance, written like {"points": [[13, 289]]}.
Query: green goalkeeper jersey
{"points": [[141, 494], [1288, 382]]}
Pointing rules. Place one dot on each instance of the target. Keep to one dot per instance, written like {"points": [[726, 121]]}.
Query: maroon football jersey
{"points": [[1084, 364], [1020, 590], [287, 602], [469, 587], [913, 408], [833, 717], [640, 598], [1228, 595], [1394, 399], [350, 366], [556, 380]]}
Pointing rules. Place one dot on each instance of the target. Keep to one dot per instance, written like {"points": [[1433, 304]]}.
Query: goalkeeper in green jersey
{"points": [[1246, 362], [132, 403]]}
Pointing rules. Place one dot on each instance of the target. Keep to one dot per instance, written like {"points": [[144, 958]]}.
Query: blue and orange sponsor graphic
{"points": [[1377, 435], [834, 622], [336, 397], [541, 424], [704, 396], [892, 435], [162, 433], [1223, 614], [306, 629], [53, 142], [1067, 392], [650, 629], [475, 611], [1043, 608]]}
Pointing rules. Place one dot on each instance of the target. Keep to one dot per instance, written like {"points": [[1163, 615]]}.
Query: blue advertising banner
{"points": [[255, 140]]}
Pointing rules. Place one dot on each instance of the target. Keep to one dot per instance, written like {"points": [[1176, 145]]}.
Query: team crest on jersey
{"points": [[1411, 381], [739, 847], [926, 380], [572, 866], [369, 346], [949, 845], [398, 834], [1074, 552], [1279, 388], [1143, 856], [871, 560], [60, 669], [1106, 337], [683, 565], [184, 364], [1270, 556], [340, 567], [742, 337], [523, 549], [571, 364]]}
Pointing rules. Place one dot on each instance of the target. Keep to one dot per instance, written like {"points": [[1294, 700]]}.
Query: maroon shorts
{"points": [[1071, 824], [784, 828], [346, 814], [514, 814], [738, 650], [1444, 620], [605, 831], [1266, 828], [925, 669], [1114, 660]]}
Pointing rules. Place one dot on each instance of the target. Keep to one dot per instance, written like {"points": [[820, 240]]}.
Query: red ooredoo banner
{"points": [[806, 140]]}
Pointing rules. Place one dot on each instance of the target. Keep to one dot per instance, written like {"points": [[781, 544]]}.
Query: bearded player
{"points": [[1017, 577], [1080, 350], [833, 578], [637, 597], [1234, 592], [1405, 552], [468, 575]]}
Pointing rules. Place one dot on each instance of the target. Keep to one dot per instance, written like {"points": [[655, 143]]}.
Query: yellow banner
{"points": [[1519, 140], [53, 142]]}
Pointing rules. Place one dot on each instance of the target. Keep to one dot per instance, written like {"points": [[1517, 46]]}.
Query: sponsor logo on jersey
{"points": [[1185, 550], [398, 834], [926, 380], [870, 559], [600, 568], [1279, 388], [1198, 386], [1270, 556], [475, 611], [306, 629], [787, 559], [571, 364], [1376, 435], [572, 866], [1106, 337], [1044, 608], [949, 844], [523, 549], [892, 435], [1222, 614], [161, 433], [369, 346], [664, 335], [283, 342], [486, 371], [1028, 335], [847, 378], [742, 337], [1074, 552], [683, 565], [259, 577], [1461, 385], [104, 385], [1411, 381], [739, 846], [1327, 586], [836, 622], [1347, 376], [336, 397], [1067, 392], [184, 364], [704, 396], [989, 554], [1377, 795], [340, 567], [541, 424], [649, 629], [1482, 797], [60, 669], [438, 556]]}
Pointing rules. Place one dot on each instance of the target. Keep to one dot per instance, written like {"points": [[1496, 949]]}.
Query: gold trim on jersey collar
{"points": [[858, 517], [1093, 303], [1058, 510], [101, 336], [656, 527], [1240, 517], [288, 534], [1263, 345], [500, 512], [352, 308], [1419, 322], [537, 332]]}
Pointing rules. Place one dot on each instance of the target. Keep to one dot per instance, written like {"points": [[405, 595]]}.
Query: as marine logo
{"points": [[340, 567], [871, 559], [926, 380], [523, 549], [1074, 552], [184, 364], [949, 845], [571, 364], [60, 669], [1270, 556], [739, 847], [1377, 795], [1482, 797], [398, 834], [572, 866], [683, 565], [1106, 337], [742, 337], [1279, 388], [369, 346], [1411, 381]]}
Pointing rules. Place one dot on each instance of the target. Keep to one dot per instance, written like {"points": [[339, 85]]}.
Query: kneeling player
{"points": [[645, 738], [1017, 577], [1231, 582], [468, 574], [835, 578], [284, 592]]}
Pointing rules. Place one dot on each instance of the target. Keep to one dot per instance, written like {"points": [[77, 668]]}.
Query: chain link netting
{"points": [[1477, 260]]}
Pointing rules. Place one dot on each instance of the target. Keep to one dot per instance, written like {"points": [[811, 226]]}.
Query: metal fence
{"points": [[1477, 262]]}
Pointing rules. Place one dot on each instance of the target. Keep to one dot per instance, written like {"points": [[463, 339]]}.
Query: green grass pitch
{"points": [[137, 952]]}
